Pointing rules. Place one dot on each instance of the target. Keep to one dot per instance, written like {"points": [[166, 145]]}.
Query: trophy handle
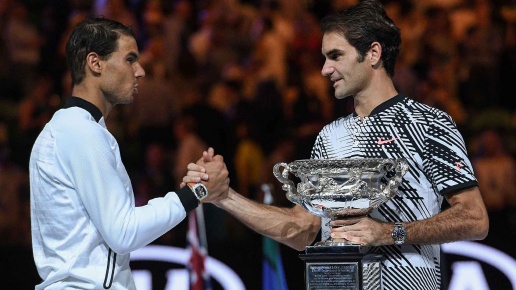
{"points": [[400, 170], [400, 167], [288, 185]]}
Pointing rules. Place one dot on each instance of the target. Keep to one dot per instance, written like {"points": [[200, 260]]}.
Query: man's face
{"points": [[342, 66], [121, 72]]}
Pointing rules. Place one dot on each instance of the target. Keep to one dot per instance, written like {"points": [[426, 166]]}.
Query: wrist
{"points": [[399, 233], [199, 190], [224, 199]]}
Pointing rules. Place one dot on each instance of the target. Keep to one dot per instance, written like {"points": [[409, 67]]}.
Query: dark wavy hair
{"points": [[363, 24], [99, 35]]}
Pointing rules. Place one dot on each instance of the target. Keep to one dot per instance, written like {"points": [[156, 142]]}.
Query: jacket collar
{"points": [[385, 105], [82, 103]]}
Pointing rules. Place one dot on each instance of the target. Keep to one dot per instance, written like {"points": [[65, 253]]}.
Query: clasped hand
{"points": [[211, 170]]}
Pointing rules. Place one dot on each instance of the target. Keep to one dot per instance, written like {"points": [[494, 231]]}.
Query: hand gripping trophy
{"points": [[338, 188]]}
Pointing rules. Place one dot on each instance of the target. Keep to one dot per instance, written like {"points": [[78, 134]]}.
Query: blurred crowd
{"points": [[244, 77]]}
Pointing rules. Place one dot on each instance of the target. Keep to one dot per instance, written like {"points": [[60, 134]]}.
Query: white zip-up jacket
{"points": [[83, 214]]}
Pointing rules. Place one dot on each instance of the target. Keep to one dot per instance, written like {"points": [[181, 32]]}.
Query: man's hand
{"points": [[196, 171], [211, 170], [362, 230]]}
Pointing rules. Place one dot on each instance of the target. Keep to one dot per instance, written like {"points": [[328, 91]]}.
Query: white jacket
{"points": [[83, 209]]}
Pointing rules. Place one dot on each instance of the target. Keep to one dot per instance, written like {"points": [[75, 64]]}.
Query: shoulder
{"points": [[76, 128], [421, 113], [76, 122], [420, 109]]}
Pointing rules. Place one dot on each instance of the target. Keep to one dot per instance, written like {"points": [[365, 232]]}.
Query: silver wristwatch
{"points": [[200, 191], [399, 234]]}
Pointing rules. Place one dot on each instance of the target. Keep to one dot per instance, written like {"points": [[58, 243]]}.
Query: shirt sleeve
{"points": [[445, 157], [104, 188]]}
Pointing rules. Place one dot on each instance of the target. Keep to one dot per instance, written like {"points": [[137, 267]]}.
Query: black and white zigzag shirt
{"points": [[438, 164]]}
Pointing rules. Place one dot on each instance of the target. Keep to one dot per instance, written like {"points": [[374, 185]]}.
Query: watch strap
{"points": [[187, 198]]}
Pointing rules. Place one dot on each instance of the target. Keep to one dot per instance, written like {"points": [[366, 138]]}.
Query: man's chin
{"points": [[341, 96], [127, 101]]}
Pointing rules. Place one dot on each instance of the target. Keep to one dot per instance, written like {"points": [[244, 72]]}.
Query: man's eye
{"points": [[331, 56], [132, 59], [334, 56]]}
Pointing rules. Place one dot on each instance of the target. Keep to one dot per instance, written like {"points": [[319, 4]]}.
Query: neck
{"points": [[377, 93], [82, 91]]}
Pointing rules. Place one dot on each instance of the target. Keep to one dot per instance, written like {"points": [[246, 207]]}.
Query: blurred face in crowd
{"points": [[121, 72], [348, 75]]}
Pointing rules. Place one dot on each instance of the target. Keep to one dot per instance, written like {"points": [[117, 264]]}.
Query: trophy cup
{"points": [[338, 188]]}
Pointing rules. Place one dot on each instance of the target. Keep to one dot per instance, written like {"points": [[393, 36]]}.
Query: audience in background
{"points": [[244, 77], [495, 169]]}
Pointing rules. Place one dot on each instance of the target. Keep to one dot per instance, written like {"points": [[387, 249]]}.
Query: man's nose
{"points": [[326, 69], [140, 72]]}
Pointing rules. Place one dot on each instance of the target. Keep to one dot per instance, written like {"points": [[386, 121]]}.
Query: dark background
{"points": [[213, 79]]}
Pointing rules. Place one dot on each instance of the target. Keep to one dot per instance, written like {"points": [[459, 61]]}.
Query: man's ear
{"points": [[375, 54], [93, 63]]}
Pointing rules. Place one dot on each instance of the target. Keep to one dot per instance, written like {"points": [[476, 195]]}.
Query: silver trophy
{"points": [[335, 189]]}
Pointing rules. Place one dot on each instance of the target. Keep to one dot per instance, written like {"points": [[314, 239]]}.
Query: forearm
{"points": [[449, 226], [294, 227], [466, 219]]}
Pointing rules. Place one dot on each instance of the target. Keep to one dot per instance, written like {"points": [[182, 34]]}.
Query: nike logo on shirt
{"points": [[380, 141]]}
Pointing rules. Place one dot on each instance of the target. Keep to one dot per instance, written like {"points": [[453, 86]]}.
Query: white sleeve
{"points": [[103, 185]]}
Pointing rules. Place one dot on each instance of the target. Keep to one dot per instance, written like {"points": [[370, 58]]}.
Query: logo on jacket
{"points": [[459, 165], [381, 141]]}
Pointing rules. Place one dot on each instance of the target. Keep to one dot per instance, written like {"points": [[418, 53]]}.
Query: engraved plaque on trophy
{"points": [[339, 188]]}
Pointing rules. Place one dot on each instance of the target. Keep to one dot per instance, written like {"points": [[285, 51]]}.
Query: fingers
{"points": [[361, 231], [192, 179], [218, 158], [217, 164], [207, 156], [218, 182], [195, 174], [343, 233], [206, 165], [344, 222], [212, 171], [195, 167]]}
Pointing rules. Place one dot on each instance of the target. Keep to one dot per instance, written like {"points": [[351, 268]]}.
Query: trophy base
{"points": [[341, 268], [338, 243]]}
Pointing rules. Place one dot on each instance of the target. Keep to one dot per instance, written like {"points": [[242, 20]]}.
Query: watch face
{"points": [[200, 191], [399, 234]]}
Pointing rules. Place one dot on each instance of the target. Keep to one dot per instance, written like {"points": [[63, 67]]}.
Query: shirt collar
{"points": [[82, 103], [385, 105]]}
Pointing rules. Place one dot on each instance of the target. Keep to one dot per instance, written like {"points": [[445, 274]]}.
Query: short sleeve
{"points": [[445, 157]]}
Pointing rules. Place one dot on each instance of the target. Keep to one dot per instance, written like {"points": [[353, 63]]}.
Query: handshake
{"points": [[211, 171]]}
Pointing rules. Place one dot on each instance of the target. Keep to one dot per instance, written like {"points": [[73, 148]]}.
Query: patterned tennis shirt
{"points": [[438, 164]]}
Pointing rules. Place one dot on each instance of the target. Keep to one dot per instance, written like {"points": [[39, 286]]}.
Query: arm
{"points": [[466, 219], [294, 227], [103, 186]]}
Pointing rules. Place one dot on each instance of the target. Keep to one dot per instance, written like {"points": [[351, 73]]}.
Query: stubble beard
{"points": [[342, 95], [115, 99]]}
